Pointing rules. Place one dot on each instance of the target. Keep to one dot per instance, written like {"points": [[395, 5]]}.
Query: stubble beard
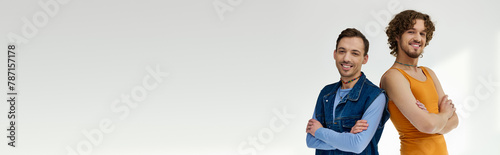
{"points": [[410, 54]]}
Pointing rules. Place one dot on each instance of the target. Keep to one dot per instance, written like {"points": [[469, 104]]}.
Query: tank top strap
{"points": [[404, 73], [427, 75]]}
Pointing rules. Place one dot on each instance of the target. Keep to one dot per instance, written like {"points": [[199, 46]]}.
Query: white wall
{"points": [[241, 81]]}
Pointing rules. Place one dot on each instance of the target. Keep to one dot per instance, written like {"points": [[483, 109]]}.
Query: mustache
{"points": [[418, 42]]}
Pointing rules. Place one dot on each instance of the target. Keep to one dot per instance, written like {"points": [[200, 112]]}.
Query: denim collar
{"points": [[355, 92]]}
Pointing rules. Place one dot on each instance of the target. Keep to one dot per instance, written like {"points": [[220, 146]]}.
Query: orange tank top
{"points": [[414, 142]]}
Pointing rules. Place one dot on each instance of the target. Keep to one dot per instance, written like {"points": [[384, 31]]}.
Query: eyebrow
{"points": [[416, 30], [355, 50]]}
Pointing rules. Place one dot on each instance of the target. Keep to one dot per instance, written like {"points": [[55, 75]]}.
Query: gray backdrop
{"points": [[223, 77]]}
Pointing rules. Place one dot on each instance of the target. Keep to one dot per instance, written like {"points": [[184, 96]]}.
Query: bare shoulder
{"points": [[390, 77], [391, 74]]}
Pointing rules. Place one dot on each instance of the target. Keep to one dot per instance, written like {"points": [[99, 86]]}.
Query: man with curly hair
{"points": [[420, 110]]}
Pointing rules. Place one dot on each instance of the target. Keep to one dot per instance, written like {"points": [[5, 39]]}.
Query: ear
{"points": [[334, 52], [365, 59]]}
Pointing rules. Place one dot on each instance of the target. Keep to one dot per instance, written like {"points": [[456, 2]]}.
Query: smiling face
{"points": [[349, 57], [412, 41]]}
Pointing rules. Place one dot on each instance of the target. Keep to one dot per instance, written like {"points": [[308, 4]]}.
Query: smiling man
{"points": [[420, 110], [350, 114]]}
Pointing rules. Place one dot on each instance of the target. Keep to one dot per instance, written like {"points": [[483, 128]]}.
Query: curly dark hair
{"points": [[404, 21], [352, 32]]}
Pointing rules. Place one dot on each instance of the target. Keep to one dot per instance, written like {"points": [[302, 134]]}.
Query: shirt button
{"points": [[326, 100]]}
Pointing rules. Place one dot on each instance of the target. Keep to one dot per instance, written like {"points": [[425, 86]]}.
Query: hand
{"points": [[446, 106], [361, 125], [421, 106], [312, 126]]}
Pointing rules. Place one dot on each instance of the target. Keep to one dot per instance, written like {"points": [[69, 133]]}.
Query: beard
{"points": [[410, 54], [413, 55]]}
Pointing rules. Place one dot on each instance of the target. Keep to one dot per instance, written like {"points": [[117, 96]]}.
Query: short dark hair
{"points": [[405, 21], [352, 32]]}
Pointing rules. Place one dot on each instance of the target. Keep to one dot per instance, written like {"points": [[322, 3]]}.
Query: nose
{"points": [[346, 57], [418, 38]]}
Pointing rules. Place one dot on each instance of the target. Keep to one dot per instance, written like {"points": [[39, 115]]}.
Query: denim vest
{"points": [[350, 109]]}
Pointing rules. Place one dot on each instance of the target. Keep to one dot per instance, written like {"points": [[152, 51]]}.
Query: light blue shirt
{"points": [[327, 139]]}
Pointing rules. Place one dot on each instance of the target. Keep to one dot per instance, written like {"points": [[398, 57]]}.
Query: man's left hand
{"points": [[312, 126]]}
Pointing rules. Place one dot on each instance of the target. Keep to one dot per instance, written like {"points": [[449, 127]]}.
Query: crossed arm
{"points": [[452, 122], [355, 141], [398, 90]]}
